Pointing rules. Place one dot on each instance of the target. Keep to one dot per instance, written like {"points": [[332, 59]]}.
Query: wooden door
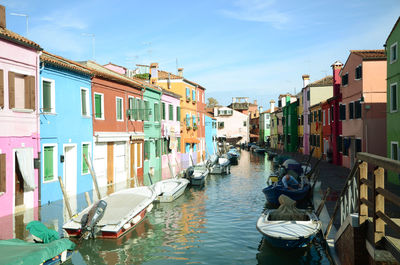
{"points": [[19, 184], [110, 167], [132, 166]]}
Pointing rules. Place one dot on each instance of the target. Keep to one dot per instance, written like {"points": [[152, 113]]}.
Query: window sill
{"points": [[392, 62], [86, 116], [100, 119], [84, 174], [394, 111], [49, 181], [2, 193], [23, 110], [120, 120]]}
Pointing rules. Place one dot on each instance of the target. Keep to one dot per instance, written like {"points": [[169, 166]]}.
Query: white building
{"points": [[232, 124]]}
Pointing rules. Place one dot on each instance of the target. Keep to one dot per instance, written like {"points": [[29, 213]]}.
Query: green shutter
{"points": [[194, 120], [119, 109], [178, 113], [163, 110], [97, 105], [171, 112], [85, 151], [179, 144], [46, 96], [187, 120], [141, 110], [48, 163], [147, 110], [137, 111], [83, 99]]}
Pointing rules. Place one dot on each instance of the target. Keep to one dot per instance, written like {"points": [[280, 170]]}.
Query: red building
{"points": [[336, 123]]}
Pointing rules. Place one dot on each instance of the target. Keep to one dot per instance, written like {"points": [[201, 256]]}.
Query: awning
{"points": [[191, 140]]}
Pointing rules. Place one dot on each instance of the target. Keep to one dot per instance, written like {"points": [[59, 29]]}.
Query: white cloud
{"points": [[258, 11]]}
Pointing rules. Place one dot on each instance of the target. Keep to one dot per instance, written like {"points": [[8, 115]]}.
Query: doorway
{"points": [[70, 169]]}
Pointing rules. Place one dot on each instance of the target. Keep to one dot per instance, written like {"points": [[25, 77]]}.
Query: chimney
{"points": [[233, 100], [306, 80], [180, 72], [2, 17], [215, 112], [337, 80], [261, 109], [153, 73], [272, 108], [255, 102]]}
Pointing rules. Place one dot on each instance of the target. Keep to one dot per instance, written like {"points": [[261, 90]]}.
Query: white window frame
{"points": [[90, 155], [55, 162], [116, 108], [391, 95], [392, 143], [397, 52], [134, 102], [87, 102], [102, 106], [53, 95]]}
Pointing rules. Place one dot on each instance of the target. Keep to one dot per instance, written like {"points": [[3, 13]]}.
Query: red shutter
{"points": [[11, 90]]}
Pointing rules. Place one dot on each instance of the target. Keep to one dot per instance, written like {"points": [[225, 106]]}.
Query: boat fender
{"points": [[136, 219], [149, 208]]}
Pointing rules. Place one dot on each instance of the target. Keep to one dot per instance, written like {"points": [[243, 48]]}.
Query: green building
{"points": [[152, 134], [265, 127], [289, 122], [392, 106]]}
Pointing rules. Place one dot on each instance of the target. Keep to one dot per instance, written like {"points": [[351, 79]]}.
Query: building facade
{"points": [[232, 125]]}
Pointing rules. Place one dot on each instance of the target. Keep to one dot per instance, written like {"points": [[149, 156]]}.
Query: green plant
{"points": [[145, 76]]}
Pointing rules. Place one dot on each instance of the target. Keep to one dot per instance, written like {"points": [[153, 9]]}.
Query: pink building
{"points": [[170, 133], [363, 106], [19, 123]]}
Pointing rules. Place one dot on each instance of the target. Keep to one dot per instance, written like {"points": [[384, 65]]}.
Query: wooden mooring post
{"points": [[96, 186], [65, 195]]}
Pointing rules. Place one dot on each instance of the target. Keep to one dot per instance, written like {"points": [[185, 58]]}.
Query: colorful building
{"points": [[19, 112], [211, 134], [65, 89], [279, 118], [316, 129], [313, 93], [170, 133], [336, 123], [201, 112], [300, 121], [290, 127], [118, 115], [265, 127], [232, 125], [392, 108], [189, 113], [363, 106]]}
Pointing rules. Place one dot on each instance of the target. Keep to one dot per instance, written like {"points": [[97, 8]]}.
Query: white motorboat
{"points": [[170, 189]]}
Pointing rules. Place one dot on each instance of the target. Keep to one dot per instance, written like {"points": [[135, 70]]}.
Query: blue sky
{"points": [[253, 48]]}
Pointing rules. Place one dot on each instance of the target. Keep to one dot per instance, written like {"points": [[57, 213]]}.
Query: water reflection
{"points": [[215, 224]]}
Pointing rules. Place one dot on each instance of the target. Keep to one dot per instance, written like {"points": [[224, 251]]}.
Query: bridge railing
{"points": [[380, 195]]}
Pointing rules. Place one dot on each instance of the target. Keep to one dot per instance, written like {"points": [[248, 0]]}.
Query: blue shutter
{"points": [[194, 120], [187, 120], [187, 93]]}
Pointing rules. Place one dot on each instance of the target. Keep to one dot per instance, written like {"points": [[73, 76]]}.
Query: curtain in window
{"points": [[25, 161], [47, 96]]}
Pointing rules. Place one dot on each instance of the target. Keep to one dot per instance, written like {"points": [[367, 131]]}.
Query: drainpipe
{"points": [[37, 125]]}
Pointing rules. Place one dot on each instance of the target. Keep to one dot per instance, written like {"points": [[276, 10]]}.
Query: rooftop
{"points": [[326, 81], [370, 54], [14, 37], [47, 57]]}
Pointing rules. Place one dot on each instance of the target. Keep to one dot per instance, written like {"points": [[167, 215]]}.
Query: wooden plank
{"points": [[392, 244], [393, 198], [387, 163], [363, 176], [367, 182], [90, 167], [368, 203], [11, 90], [389, 221], [65, 197], [379, 203]]}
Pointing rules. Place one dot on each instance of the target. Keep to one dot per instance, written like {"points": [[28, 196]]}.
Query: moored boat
{"points": [[200, 173], [287, 226], [169, 190], [220, 166], [276, 189], [123, 210]]}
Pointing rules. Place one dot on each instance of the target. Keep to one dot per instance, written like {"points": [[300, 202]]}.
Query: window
{"points": [[187, 94], [220, 125], [319, 116], [178, 113], [48, 96], [119, 109], [146, 150], [318, 140], [49, 162], [165, 146], [2, 172], [351, 110], [357, 107], [146, 110], [203, 119], [331, 114], [340, 143], [179, 143], [394, 147], [138, 110], [342, 110], [187, 120], [85, 102], [308, 95], [358, 145], [345, 79], [279, 103], [393, 97], [158, 148], [163, 110], [358, 72], [171, 112], [156, 112], [98, 106], [302, 120], [194, 121], [131, 109], [393, 53], [21, 91], [85, 152], [194, 95], [323, 117], [346, 145]]}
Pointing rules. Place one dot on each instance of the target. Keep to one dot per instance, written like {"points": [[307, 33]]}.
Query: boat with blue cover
{"points": [[276, 189]]}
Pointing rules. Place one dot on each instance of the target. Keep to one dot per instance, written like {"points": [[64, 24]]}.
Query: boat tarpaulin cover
{"points": [[25, 161], [17, 251], [39, 230]]}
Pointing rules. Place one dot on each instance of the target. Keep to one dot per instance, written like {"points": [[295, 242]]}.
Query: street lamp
{"points": [[22, 15], [93, 42]]}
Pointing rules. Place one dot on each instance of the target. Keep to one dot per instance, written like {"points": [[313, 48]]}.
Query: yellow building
{"points": [[316, 129]]}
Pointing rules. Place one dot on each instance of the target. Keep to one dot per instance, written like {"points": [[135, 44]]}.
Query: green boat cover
{"points": [[17, 251], [39, 230]]}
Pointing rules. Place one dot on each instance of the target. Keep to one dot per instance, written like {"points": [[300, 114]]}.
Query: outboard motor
{"points": [[89, 220]]}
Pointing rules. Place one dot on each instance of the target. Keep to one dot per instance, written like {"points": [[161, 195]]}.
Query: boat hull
{"points": [[173, 194], [272, 193], [282, 243]]}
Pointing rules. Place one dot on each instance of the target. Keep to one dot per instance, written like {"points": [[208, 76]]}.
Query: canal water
{"points": [[215, 224]]}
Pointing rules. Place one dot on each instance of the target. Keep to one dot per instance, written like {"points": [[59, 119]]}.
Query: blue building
{"points": [[66, 131], [211, 134]]}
